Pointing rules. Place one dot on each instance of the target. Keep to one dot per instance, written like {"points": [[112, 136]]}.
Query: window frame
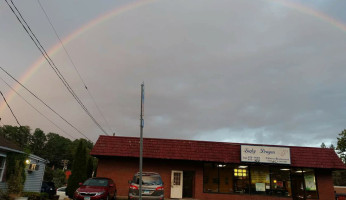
{"points": [[2, 166]]}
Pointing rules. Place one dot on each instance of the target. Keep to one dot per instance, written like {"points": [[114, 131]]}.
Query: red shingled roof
{"points": [[206, 151]]}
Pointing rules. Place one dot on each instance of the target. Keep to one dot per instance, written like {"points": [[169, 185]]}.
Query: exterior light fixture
{"points": [[300, 171], [242, 167], [284, 169], [27, 161]]}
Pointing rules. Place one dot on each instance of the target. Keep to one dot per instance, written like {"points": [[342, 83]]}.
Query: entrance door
{"points": [[177, 184], [297, 184], [188, 184]]}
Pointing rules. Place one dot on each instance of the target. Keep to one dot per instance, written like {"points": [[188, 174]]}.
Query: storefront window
{"points": [[310, 184], [260, 180], [241, 179], [226, 178], [210, 178], [280, 181], [298, 183], [304, 184]]}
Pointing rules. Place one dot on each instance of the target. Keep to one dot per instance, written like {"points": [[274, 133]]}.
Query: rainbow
{"points": [[136, 4], [312, 12], [75, 34]]}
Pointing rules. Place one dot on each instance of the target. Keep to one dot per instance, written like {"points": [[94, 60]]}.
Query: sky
{"points": [[250, 71]]}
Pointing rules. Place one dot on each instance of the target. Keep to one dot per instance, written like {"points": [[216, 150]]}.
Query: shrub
{"points": [[15, 165], [35, 195], [4, 195], [79, 170]]}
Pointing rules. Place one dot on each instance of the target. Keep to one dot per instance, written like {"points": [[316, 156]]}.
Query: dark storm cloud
{"points": [[239, 71]]}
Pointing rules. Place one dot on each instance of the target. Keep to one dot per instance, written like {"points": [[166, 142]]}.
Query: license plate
{"points": [[86, 198], [146, 192]]}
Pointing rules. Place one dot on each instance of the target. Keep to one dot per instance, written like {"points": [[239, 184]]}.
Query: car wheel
{"points": [[115, 196]]}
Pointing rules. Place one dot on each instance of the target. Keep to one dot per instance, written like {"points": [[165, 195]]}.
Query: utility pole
{"points": [[141, 142]]}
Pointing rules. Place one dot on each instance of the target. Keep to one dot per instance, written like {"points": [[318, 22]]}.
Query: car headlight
{"points": [[99, 193]]}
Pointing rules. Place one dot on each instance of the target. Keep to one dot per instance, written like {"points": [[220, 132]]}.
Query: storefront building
{"points": [[219, 171]]}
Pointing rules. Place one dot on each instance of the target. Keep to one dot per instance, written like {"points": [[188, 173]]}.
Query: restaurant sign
{"points": [[265, 154]]}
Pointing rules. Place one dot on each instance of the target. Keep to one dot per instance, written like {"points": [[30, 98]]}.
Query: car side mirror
{"points": [[163, 183], [80, 184], [111, 185]]}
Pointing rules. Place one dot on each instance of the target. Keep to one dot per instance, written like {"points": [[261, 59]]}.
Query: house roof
{"points": [[207, 151], [8, 145]]}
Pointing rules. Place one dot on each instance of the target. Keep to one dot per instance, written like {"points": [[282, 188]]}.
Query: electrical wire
{"points": [[44, 103], [73, 64], [50, 62], [37, 109], [10, 109]]}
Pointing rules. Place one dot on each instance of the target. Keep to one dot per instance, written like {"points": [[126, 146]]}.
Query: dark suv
{"points": [[96, 189], [152, 186], [49, 188]]}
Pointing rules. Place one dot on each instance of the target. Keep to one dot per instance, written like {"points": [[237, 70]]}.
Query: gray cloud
{"points": [[237, 71]]}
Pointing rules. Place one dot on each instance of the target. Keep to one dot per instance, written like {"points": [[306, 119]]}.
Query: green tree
{"points": [[59, 178], [323, 145], [90, 166], [79, 170], [57, 149], [332, 146], [48, 174], [15, 165], [341, 145], [339, 178], [37, 142], [18, 135]]}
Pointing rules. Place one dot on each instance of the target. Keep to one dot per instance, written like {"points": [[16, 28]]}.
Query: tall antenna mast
{"points": [[141, 142]]}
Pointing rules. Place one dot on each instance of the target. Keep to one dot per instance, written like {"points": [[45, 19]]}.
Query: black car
{"points": [[49, 188]]}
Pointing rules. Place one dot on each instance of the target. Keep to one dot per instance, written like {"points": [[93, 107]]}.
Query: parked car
{"points": [[61, 192], [49, 188], [152, 186], [96, 189]]}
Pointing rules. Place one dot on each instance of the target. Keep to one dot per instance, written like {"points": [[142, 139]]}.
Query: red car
{"points": [[96, 189]]}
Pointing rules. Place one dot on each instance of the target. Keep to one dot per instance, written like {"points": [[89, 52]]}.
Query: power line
{"points": [[50, 62], [43, 102], [36, 109], [10, 109], [73, 64]]}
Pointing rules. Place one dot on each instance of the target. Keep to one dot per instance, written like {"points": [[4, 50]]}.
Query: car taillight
{"points": [[133, 187], [160, 188]]}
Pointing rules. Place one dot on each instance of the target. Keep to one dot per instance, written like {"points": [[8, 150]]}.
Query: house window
{"points": [[2, 166]]}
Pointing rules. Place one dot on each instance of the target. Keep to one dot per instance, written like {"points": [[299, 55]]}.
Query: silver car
{"points": [[152, 186]]}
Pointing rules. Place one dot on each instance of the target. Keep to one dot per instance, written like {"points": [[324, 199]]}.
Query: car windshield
{"points": [[148, 180], [96, 182]]}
